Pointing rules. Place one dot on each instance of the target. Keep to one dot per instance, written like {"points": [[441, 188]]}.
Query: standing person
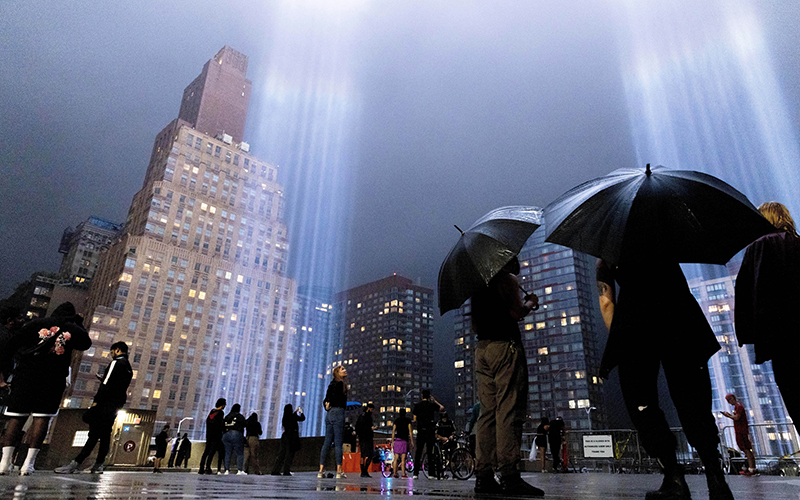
{"points": [[402, 441], [767, 291], [233, 439], [556, 435], [742, 431], [254, 431], [365, 429], [43, 350], [502, 373], [215, 426], [290, 440], [540, 442], [335, 403], [657, 323], [350, 438], [425, 418], [184, 451], [173, 451], [110, 398], [161, 448]]}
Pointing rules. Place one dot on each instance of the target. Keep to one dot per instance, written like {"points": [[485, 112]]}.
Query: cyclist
{"points": [[445, 431]]}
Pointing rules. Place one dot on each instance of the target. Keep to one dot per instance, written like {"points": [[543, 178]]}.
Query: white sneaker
{"points": [[26, 470], [320, 475], [341, 475], [227, 472], [67, 469], [241, 473]]}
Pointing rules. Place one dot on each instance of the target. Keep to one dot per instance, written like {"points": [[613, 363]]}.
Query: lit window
{"points": [[167, 347], [543, 350], [459, 363], [202, 295], [529, 326], [548, 290], [156, 394], [540, 325]]}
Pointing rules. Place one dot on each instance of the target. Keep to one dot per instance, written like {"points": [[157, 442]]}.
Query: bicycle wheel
{"points": [[386, 470], [424, 466], [462, 464]]}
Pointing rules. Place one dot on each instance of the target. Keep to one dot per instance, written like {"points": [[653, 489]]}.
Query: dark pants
{"points": [[502, 372], [212, 447], [183, 458], [555, 450], [172, 454], [367, 450], [426, 438], [285, 456], [690, 390], [99, 430], [784, 367]]}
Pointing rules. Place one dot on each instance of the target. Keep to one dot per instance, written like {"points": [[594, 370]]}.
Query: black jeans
{"points": [[99, 430], [285, 456], [690, 389], [426, 438], [212, 447]]}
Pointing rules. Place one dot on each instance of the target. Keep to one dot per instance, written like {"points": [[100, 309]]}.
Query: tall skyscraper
{"points": [[563, 339], [83, 246], [386, 333], [197, 284], [733, 369]]}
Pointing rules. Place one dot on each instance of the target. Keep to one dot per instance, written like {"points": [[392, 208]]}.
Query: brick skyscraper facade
{"points": [[386, 334], [197, 285]]}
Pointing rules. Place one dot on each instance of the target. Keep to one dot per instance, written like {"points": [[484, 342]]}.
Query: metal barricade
{"points": [[776, 447]]}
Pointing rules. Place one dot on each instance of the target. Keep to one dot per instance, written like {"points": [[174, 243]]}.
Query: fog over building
{"points": [[385, 334], [197, 285], [563, 340]]}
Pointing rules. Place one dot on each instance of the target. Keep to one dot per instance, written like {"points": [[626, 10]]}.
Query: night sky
{"points": [[453, 109]]}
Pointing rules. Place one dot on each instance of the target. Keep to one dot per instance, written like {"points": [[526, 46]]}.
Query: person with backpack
{"points": [[233, 439]]}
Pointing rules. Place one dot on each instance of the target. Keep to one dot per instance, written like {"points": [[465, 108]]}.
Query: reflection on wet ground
{"points": [[178, 486]]}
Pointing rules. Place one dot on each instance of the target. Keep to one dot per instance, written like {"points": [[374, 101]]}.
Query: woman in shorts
{"points": [[402, 441]]}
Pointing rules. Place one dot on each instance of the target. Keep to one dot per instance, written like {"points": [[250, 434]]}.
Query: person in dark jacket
{"points": [[233, 439], [767, 291], [254, 431], [184, 451], [556, 436], [162, 438], [656, 323], [43, 350], [365, 429], [110, 398], [215, 426], [290, 440], [334, 403]]}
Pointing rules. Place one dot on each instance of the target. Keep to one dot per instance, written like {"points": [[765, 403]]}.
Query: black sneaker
{"points": [[673, 487], [717, 487], [514, 486], [487, 485]]}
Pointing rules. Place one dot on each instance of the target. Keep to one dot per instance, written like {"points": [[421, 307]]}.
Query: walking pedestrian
{"points": [[402, 442], [254, 431], [556, 435], [109, 399], [290, 440], [233, 439], [215, 427], [425, 417], [43, 350], [161, 448], [335, 403], [742, 431], [540, 442], [502, 382], [184, 451], [365, 429], [655, 323], [767, 290]]}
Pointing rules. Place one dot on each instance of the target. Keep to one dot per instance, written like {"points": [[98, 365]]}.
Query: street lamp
{"points": [[179, 424], [589, 415], [553, 389]]}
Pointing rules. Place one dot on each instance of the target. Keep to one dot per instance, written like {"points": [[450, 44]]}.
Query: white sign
{"points": [[598, 446]]}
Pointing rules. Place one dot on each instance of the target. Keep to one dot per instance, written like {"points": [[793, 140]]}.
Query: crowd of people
{"points": [[35, 358]]}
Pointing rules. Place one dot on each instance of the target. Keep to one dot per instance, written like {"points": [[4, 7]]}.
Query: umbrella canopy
{"points": [[482, 251], [353, 404], [685, 215]]}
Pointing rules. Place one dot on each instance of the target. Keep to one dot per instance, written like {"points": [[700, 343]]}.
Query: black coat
{"points": [[291, 429], [113, 390]]}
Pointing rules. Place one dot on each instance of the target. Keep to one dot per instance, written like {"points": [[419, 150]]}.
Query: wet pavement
{"points": [[175, 486]]}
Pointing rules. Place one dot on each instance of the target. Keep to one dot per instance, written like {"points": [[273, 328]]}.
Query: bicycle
{"points": [[385, 456], [459, 461]]}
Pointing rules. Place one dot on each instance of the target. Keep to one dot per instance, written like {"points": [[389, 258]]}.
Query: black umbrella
{"points": [[482, 251], [681, 214]]}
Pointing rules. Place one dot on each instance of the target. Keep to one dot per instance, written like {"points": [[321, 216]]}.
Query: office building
{"points": [[82, 247], [197, 283], [385, 331]]}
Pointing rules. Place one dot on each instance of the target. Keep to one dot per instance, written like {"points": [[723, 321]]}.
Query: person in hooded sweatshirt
{"points": [[110, 398], [43, 350], [233, 439]]}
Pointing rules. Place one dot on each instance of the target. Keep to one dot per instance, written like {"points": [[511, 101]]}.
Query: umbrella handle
{"points": [[534, 308]]}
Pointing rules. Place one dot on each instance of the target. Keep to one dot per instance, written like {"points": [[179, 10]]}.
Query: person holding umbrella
{"points": [[642, 224]]}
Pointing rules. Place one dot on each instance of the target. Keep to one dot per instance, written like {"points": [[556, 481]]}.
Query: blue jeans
{"points": [[334, 433], [234, 442]]}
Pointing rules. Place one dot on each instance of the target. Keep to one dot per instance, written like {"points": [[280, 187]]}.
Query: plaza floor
{"points": [[179, 486]]}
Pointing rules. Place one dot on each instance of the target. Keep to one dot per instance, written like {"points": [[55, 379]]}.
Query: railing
{"points": [[776, 447]]}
